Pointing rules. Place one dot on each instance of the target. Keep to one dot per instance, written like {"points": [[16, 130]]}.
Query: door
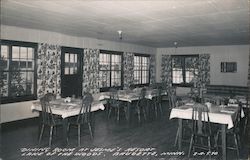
{"points": [[71, 72]]}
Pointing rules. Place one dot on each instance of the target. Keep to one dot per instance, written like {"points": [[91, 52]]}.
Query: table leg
{"points": [[224, 141], [180, 134], [128, 105], [65, 131], [39, 124]]}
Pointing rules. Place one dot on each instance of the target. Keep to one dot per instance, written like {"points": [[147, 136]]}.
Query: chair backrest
{"points": [[85, 111], [114, 98], [200, 120], [159, 94], [47, 116], [237, 119], [142, 101], [172, 97]]}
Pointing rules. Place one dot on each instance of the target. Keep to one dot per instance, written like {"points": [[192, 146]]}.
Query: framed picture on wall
{"points": [[228, 67]]}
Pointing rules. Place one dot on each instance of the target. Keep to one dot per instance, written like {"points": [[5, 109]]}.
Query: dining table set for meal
{"points": [[223, 115]]}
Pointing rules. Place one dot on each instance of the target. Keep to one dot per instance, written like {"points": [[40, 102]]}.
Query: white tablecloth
{"points": [[129, 95], [59, 107], [225, 115]]}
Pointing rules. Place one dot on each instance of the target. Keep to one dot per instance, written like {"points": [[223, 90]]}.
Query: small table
{"points": [[220, 115], [65, 110], [131, 95]]}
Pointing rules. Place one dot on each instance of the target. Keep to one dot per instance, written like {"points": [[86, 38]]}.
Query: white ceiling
{"points": [[155, 23]]}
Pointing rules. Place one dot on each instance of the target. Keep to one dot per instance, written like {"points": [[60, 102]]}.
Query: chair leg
{"points": [[176, 137], [144, 113], [118, 114], [110, 109], [90, 130], [41, 134], [126, 114], [245, 126], [156, 115], [209, 146], [160, 107], [50, 135], [236, 145], [79, 134], [139, 114], [191, 145]]}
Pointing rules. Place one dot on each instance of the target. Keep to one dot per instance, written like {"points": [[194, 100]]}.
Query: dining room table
{"points": [[130, 96], [66, 109], [220, 114]]}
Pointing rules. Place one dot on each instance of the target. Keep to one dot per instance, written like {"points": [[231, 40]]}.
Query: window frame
{"points": [[184, 83], [103, 89], [142, 84], [10, 44]]}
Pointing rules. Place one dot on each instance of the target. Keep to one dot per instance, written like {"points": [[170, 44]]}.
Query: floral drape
{"points": [[152, 69], [91, 70], [128, 63], [166, 70], [48, 69], [203, 70]]}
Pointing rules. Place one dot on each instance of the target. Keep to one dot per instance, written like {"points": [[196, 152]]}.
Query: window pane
{"points": [[72, 58], [75, 58], [104, 78], [30, 65], [66, 70], [30, 77], [66, 57], [30, 53], [23, 65], [71, 70], [15, 64], [4, 51], [15, 52], [24, 52]]}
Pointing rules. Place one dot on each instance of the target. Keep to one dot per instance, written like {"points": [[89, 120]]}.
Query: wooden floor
{"points": [[150, 140]]}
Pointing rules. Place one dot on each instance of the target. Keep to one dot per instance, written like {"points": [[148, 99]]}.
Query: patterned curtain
{"points": [[128, 63], [48, 69], [91, 71], [152, 69], [166, 70], [203, 70]]}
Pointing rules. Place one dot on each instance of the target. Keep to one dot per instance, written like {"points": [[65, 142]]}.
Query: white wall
{"points": [[218, 54], [41, 36], [17, 111]]}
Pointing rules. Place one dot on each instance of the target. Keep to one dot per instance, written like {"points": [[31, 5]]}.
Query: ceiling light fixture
{"points": [[120, 34], [175, 44]]}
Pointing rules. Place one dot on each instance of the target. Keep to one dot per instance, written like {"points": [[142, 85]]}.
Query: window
{"points": [[110, 72], [17, 71], [184, 68], [70, 63], [141, 69], [228, 67]]}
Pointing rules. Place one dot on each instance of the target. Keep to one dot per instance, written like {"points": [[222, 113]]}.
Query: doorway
{"points": [[71, 72]]}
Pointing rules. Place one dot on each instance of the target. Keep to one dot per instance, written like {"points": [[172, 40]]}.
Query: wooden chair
{"points": [[172, 98], [158, 101], [47, 118], [201, 128], [115, 104], [141, 105], [83, 117], [233, 132]]}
